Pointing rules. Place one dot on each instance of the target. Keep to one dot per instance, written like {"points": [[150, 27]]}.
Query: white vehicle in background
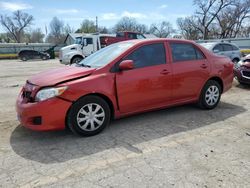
{"points": [[89, 43], [83, 47], [226, 49]]}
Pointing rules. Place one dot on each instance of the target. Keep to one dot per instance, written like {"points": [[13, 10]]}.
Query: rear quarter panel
{"points": [[222, 67]]}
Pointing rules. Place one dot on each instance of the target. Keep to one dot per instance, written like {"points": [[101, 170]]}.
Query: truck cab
{"points": [[83, 47], [87, 44]]}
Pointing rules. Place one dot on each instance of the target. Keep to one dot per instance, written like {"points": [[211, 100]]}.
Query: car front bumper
{"points": [[238, 73], [42, 116]]}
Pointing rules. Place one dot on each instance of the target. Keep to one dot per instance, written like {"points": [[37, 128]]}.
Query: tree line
{"points": [[211, 19]]}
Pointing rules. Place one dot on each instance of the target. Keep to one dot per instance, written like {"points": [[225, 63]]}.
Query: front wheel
{"points": [[210, 95], [89, 116], [76, 60]]}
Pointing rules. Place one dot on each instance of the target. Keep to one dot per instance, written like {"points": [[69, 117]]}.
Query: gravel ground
{"points": [[177, 147]]}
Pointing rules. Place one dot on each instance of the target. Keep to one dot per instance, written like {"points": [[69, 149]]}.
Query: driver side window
{"points": [[148, 55]]}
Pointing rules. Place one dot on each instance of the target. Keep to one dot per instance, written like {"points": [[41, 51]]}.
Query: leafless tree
{"points": [[188, 28], [231, 20], [68, 29], [129, 24], [56, 34], [16, 24], [35, 36], [207, 11], [162, 30]]}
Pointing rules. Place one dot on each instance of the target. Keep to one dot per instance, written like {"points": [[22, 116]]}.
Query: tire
{"points": [[83, 123], [44, 58], [235, 61], [24, 58], [210, 95], [76, 60]]}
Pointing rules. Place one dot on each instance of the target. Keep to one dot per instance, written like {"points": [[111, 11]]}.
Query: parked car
{"points": [[90, 43], [242, 70], [32, 54], [123, 79], [222, 48]]}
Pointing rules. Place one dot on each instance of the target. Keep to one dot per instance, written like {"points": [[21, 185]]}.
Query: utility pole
{"points": [[96, 24]]}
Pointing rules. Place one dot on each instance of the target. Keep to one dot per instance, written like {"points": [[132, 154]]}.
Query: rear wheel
{"points": [[235, 60], [210, 95], [24, 58], [89, 116], [76, 60]]}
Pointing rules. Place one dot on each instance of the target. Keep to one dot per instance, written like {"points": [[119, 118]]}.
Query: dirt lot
{"points": [[177, 147]]}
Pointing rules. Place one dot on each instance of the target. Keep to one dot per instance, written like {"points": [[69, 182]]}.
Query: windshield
{"points": [[78, 40], [207, 45], [105, 55]]}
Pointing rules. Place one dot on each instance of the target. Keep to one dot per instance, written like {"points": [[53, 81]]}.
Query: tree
{"points": [[56, 34], [188, 29], [206, 13], [232, 18], [16, 24], [162, 30], [129, 24], [35, 36], [68, 29], [87, 26]]}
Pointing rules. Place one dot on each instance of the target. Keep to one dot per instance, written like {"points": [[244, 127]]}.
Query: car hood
{"points": [[55, 76]]}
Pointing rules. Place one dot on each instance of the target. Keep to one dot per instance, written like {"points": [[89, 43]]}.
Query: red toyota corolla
{"points": [[123, 79]]}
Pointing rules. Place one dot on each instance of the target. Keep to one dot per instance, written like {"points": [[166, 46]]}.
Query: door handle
{"points": [[165, 72], [204, 66]]}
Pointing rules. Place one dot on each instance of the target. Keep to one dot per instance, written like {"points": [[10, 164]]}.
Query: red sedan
{"points": [[123, 79]]}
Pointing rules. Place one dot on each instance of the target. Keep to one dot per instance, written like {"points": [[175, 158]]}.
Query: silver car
{"points": [[222, 48]]}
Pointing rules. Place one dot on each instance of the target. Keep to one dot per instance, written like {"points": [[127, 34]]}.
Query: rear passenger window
{"points": [[235, 48], [185, 52], [148, 55], [227, 47]]}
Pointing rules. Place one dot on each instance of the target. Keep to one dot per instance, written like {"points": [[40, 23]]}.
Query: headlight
{"points": [[48, 93]]}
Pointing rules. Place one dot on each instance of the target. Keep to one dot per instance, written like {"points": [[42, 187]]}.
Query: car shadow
{"points": [[243, 86], [54, 147]]}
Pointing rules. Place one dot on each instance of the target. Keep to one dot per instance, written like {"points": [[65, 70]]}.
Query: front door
{"points": [[148, 85]]}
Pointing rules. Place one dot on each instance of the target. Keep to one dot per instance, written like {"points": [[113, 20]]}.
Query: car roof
{"points": [[138, 41]]}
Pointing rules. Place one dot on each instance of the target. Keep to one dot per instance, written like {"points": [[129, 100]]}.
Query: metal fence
{"points": [[242, 43], [15, 48]]}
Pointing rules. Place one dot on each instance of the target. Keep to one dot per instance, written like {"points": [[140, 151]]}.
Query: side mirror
{"points": [[126, 65], [216, 50]]}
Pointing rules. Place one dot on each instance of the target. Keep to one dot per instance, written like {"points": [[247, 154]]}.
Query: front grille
{"points": [[27, 95], [246, 73]]}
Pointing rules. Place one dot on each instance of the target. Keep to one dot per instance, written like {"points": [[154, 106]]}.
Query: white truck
{"points": [[87, 44]]}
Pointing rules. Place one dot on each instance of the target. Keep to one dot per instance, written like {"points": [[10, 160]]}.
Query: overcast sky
{"points": [[108, 11]]}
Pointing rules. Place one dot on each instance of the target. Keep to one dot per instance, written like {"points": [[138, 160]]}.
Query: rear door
{"points": [[190, 71], [148, 85]]}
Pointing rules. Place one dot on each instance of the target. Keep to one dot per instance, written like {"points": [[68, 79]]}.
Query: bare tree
{"points": [[206, 13], [187, 28], [87, 26], [35, 36], [16, 24], [68, 29], [129, 24], [56, 34], [162, 30], [232, 18]]}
